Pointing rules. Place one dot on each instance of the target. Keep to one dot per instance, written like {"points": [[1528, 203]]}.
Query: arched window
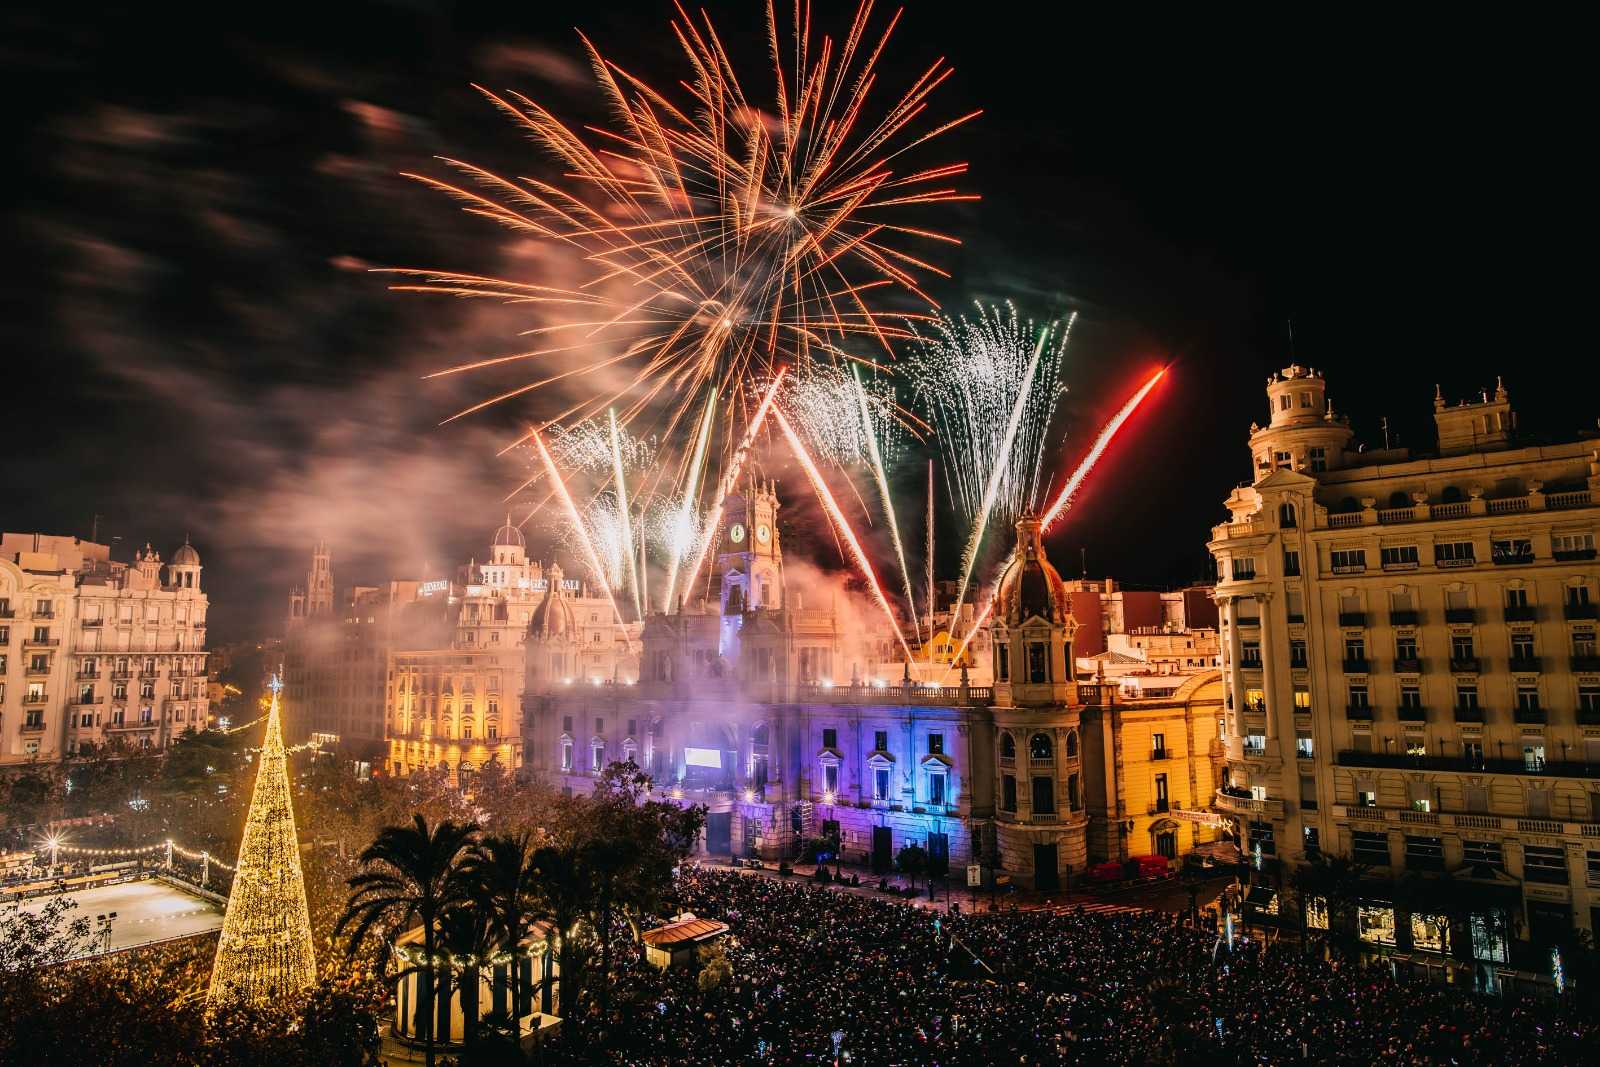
{"points": [[1349, 504], [1452, 494], [1398, 499], [1040, 747], [1286, 516], [758, 736], [1008, 747], [1072, 744]]}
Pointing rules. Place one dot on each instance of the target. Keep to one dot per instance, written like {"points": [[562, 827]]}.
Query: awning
{"points": [[1260, 896]]}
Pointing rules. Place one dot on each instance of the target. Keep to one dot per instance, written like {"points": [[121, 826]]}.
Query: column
{"points": [[1269, 653], [1230, 613]]}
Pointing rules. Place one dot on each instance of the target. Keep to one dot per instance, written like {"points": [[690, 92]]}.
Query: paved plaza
{"points": [[146, 911]]}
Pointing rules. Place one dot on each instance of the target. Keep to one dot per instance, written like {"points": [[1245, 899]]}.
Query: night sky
{"points": [[195, 346]]}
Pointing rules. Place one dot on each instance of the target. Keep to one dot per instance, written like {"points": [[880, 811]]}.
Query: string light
{"points": [[265, 951]]}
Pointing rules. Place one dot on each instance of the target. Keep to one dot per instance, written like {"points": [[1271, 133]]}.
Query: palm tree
{"points": [[407, 877], [499, 872], [561, 894], [466, 933]]}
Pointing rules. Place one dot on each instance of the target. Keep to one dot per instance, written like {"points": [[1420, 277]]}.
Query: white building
{"points": [[96, 652]]}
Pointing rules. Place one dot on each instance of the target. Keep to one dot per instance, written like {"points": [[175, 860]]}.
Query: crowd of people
{"points": [[821, 976]]}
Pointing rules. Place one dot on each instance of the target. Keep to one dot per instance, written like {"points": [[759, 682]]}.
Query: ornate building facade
{"points": [[755, 704], [1411, 660], [96, 652]]}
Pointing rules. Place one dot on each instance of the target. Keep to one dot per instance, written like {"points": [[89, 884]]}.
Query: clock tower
{"points": [[749, 559]]}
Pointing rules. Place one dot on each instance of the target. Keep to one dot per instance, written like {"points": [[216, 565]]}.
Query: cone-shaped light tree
{"points": [[265, 950]]}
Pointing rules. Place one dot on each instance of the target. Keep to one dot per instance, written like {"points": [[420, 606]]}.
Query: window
{"points": [[1400, 557], [1355, 649], [1036, 663], [1589, 698], [1358, 697], [830, 778], [1295, 605], [1511, 550], [1244, 569], [1161, 792], [1367, 798], [1410, 696], [1484, 853], [1467, 696], [1003, 662], [1573, 546], [936, 788], [1262, 837], [1297, 653], [1430, 933], [1040, 747], [1533, 760], [1044, 796], [493, 731], [1283, 405], [880, 741], [1250, 654], [1544, 863], [1461, 647], [936, 744], [597, 758], [1522, 646], [1477, 795], [1453, 554], [1405, 647], [1349, 560], [880, 783], [1424, 853], [1370, 847], [830, 738], [1008, 793], [1008, 747], [1286, 516], [1316, 907], [1577, 596], [1158, 746], [1415, 745], [1291, 563], [1527, 698], [1304, 747], [566, 724], [1255, 744], [1302, 700], [1319, 459]]}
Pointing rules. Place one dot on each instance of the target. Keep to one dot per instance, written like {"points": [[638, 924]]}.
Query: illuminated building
{"points": [[1411, 660], [755, 704], [95, 652]]}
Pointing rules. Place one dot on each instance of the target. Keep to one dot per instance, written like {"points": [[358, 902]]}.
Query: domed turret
{"points": [[184, 570], [508, 536], [1030, 586], [186, 556], [553, 619]]}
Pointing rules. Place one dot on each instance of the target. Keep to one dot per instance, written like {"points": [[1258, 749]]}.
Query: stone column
{"points": [[1269, 652], [1230, 613]]}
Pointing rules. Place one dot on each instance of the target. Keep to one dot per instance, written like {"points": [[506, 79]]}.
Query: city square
{"points": [[787, 534]]}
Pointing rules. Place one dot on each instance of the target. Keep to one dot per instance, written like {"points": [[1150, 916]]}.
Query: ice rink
{"points": [[146, 911]]}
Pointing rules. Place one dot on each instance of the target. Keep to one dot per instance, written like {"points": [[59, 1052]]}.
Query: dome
{"points": [[553, 618], [1029, 585], [186, 556], [508, 536]]}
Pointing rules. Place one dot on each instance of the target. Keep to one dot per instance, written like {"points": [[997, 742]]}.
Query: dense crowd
{"points": [[821, 976]]}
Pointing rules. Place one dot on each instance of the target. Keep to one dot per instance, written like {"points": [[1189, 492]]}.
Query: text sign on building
{"points": [[703, 757], [1205, 818], [430, 588]]}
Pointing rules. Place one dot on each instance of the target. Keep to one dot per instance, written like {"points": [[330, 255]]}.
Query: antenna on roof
{"points": [[1386, 433], [1290, 321]]}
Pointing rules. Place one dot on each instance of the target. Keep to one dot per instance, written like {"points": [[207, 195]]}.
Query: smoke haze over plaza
{"points": [[197, 346]]}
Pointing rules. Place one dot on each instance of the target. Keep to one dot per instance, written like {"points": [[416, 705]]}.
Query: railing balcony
{"points": [[1589, 716], [1460, 615], [1586, 664], [1413, 713], [34, 698], [1521, 613], [1541, 768], [1408, 665], [87, 675], [1160, 807], [1531, 716], [1356, 666], [1468, 713], [1464, 664], [1511, 559], [1298, 663], [8, 613], [44, 614], [40, 642], [32, 727], [1576, 498], [93, 698], [1570, 610], [1404, 618], [1572, 555], [1249, 620], [121, 675], [1358, 712], [1271, 807], [90, 624], [1295, 618], [1352, 618], [1250, 663], [1525, 664]]}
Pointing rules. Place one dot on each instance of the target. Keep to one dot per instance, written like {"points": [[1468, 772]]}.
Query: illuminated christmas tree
{"points": [[265, 950]]}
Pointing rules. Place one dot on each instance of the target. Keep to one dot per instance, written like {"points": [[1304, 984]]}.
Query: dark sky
{"points": [[194, 344]]}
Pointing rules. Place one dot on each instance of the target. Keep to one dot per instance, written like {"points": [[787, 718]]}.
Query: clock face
{"points": [[763, 533], [736, 533]]}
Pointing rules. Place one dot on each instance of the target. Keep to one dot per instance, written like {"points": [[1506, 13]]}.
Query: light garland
{"points": [[145, 850], [265, 950]]}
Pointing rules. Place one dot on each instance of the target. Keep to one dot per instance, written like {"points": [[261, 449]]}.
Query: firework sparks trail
{"points": [[1064, 499], [928, 559], [875, 459], [577, 525], [718, 239], [730, 476], [624, 520], [681, 534], [1007, 458], [843, 525]]}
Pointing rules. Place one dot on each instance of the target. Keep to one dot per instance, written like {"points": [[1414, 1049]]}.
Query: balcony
{"points": [[1521, 613], [1356, 666], [44, 614], [1531, 716], [37, 672], [1413, 713], [1588, 664], [32, 727], [1253, 621], [1408, 665], [1159, 753], [1358, 712], [1545, 769], [90, 624], [1464, 664], [1460, 615], [1573, 555], [1511, 559], [1589, 716], [1272, 808], [1352, 618], [1468, 713], [35, 698], [40, 642], [7, 613], [1525, 665], [1404, 618], [1572, 611]]}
